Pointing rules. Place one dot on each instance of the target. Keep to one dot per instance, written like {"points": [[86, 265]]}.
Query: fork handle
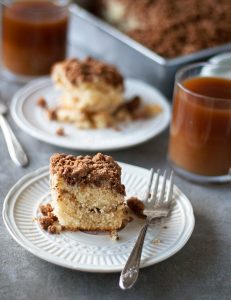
{"points": [[130, 272], [16, 152]]}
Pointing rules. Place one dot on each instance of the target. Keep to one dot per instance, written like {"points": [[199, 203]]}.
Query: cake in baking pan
{"points": [[171, 28]]}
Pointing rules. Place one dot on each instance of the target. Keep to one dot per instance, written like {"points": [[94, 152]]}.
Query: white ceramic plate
{"points": [[33, 120], [89, 252]]}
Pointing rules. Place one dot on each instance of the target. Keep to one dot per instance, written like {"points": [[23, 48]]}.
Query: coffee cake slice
{"points": [[88, 85], [86, 192]]}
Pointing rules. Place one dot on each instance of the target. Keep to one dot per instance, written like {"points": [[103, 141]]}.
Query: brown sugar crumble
{"points": [[45, 209], [128, 108], [48, 221], [42, 102], [45, 222], [133, 104], [135, 109], [55, 229], [89, 69], [137, 206], [52, 114], [114, 235], [60, 131], [174, 28], [98, 170]]}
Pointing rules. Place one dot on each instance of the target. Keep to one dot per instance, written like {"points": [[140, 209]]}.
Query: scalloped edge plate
{"points": [[87, 252]]}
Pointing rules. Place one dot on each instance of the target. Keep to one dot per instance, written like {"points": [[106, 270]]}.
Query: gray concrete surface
{"points": [[201, 270]]}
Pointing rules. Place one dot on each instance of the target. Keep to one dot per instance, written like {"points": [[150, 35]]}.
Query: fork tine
{"points": [[155, 189], [149, 184], [161, 197], [170, 188]]}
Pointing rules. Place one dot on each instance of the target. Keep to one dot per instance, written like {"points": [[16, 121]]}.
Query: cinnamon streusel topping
{"points": [[97, 170], [179, 27], [91, 70]]}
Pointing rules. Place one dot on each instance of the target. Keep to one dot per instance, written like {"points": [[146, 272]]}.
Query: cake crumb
{"points": [[45, 222], [60, 131], [52, 216], [41, 102], [137, 206], [55, 229], [136, 109], [52, 114], [114, 235], [133, 104], [156, 241], [45, 209], [49, 221]]}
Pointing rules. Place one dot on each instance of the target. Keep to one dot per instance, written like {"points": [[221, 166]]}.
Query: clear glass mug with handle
{"points": [[200, 132], [33, 36]]}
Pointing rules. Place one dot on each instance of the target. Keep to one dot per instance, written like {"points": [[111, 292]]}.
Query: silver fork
{"points": [[157, 205], [16, 151]]}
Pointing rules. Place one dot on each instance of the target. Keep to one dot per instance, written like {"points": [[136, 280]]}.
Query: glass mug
{"points": [[200, 131], [34, 36]]}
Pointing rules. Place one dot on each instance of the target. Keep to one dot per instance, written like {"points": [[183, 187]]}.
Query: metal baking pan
{"points": [[133, 59]]}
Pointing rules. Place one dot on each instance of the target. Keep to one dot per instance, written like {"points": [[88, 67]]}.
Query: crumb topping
{"points": [[42, 102], [96, 170], [60, 131], [52, 114], [137, 206], [54, 229], [45, 209], [173, 28], [114, 235], [48, 221], [89, 70], [133, 104]]}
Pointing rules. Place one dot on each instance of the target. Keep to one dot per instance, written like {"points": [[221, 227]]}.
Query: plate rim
{"points": [[48, 257], [52, 141]]}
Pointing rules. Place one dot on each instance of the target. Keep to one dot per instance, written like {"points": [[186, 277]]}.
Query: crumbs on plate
{"points": [[41, 102], [156, 241], [136, 206], [60, 131], [48, 221]]}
